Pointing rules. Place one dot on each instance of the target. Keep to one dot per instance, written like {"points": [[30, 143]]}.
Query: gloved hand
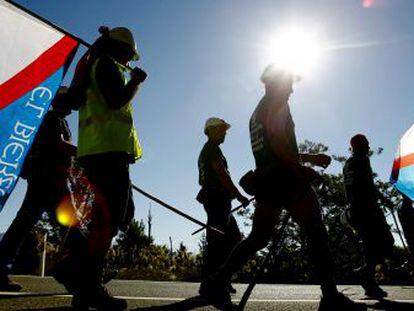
{"points": [[138, 75], [242, 199]]}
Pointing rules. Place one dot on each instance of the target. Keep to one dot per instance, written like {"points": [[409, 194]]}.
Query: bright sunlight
{"points": [[295, 50]]}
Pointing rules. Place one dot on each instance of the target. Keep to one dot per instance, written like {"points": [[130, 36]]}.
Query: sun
{"points": [[294, 49]]}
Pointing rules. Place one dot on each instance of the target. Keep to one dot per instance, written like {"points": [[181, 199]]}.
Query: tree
{"points": [[130, 243]]}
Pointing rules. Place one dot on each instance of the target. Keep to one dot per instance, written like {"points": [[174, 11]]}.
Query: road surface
{"points": [[46, 294]]}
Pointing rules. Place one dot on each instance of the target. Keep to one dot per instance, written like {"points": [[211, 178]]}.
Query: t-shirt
{"points": [[359, 180], [210, 154], [271, 124]]}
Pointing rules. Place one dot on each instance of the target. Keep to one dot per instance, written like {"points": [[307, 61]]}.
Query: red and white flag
{"points": [[34, 57]]}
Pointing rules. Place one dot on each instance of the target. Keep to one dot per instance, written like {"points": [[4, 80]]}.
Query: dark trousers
{"points": [[42, 195], [406, 216], [84, 256], [375, 234], [219, 246]]}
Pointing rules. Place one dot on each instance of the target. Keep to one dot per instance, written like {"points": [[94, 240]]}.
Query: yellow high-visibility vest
{"points": [[103, 129]]}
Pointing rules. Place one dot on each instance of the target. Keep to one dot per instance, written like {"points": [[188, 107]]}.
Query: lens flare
{"points": [[65, 213], [367, 3]]}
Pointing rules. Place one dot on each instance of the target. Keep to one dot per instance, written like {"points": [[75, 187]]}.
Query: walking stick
{"points": [[231, 212], [173, 209], [274, 250]]}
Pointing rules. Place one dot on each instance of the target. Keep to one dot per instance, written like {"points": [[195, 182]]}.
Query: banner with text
{"points": [[34, 58]]}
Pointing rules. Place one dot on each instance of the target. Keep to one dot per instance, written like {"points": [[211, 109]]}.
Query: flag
{"points": [[402, 175], [34, 58]]}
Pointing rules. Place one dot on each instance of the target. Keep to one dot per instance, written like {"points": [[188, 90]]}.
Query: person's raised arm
{"points": [[111, 83]]}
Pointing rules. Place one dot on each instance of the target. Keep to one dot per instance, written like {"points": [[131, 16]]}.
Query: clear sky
{"points": [[204, 58]]}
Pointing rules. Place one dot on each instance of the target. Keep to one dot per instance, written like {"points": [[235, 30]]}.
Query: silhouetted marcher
{"points": [[217, 192], [406, 217], [281, 182], [107, 145], [46, 169], [366, 215]]}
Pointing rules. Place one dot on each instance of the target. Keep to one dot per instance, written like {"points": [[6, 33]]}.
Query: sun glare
{"points": [[295, 50]]}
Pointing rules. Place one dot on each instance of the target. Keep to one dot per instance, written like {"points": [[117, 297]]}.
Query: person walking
{"points": [[46, 170], [107, 146], [366, 215], [281, 182], [216, 194]]}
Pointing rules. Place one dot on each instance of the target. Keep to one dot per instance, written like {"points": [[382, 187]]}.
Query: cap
{"points": [[274, 73], [215, 122]]}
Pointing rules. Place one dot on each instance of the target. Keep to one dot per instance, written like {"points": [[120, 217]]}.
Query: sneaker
{"points": [[101, 300], [339, 302], [375, 292], [8, 285]]}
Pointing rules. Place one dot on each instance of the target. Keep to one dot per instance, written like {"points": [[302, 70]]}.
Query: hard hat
{"points": [[124, 35], [273, 73], [215, 122], [358, 141]]}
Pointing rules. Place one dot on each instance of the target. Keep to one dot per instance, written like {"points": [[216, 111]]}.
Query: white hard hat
{"points": [[124, 35], [215, 122]]}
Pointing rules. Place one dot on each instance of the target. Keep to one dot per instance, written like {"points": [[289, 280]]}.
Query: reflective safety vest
{"points": [[103, 129]]}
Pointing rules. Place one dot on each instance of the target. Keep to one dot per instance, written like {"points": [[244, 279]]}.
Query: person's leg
{"points": [[233, 233], [406, 217], [306, 212], [232, 238], [215, 243], [24, 221], [374, 245], [264, 220], [217, 210], [110, 176]]}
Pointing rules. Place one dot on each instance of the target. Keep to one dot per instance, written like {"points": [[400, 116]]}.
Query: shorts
{"points": [[281, 186]]}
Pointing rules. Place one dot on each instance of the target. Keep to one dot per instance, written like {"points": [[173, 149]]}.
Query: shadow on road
{"points": [[50, 309], [388, 305], [188, 304]]}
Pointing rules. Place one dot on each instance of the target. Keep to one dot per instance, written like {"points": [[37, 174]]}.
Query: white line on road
{"points": [[23, 294]]}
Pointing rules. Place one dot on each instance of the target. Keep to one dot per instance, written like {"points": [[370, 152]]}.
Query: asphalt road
{"points": [[46, 294]]}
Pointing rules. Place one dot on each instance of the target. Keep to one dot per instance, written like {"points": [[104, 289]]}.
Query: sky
{"points": [[204, 59]]}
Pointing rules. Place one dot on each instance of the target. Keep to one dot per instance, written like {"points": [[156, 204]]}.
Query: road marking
{"points": [[23, 294]]}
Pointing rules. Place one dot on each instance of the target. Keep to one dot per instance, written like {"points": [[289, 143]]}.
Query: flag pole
{"points": [[175, 210], [49, 23]]}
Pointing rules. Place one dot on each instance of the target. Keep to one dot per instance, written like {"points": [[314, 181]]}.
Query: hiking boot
{"points": [[231, 289], [101, 300], [374, 291], [339, 302], [8, 285]]}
